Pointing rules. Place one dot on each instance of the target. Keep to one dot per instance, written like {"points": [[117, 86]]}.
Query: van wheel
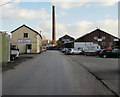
{"points": [[12, 58], [104, 56], [17, 58]]}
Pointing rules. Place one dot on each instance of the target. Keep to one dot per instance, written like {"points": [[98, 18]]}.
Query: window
{"points": [[14, 47], [115, 51], [110, 43], [67, 40], [95, 38], [29, 46], [103, 37], [103, 43], [25, 35], [109, 51]]}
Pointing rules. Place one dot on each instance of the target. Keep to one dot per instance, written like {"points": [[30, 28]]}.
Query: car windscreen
{"points": [[14, 47]]}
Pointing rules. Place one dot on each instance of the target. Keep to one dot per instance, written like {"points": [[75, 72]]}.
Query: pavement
{"points": [[13, 64], [52, 73]]}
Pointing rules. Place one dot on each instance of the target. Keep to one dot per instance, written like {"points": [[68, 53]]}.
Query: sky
{"points": [[72, 18]]}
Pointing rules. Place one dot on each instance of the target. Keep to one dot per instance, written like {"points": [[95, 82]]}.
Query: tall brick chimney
{"points": [[53, 26]]}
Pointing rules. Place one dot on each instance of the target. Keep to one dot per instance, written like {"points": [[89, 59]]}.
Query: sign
{"points": [[99, 39], [24, 41], [116, 39]]}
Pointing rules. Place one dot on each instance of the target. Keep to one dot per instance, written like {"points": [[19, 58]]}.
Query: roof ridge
{"points": [[28, 28]]}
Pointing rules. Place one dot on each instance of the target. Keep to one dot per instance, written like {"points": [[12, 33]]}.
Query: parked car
{"points": [[53, 48], [109, 53], [64, 50], [57, 48], [73, 51], [98, 52], [14, 52], [43, 48], [50, 48]]}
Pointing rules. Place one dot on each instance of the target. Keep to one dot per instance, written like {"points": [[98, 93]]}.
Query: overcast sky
{"points": [[74, 19]]}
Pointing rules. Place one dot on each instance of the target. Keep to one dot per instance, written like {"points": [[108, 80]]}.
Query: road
{"points": [[105, 69], [52, 73]]}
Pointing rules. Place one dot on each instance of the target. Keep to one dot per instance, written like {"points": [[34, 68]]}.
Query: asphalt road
{"points": [[105, 69], [52, 73]]}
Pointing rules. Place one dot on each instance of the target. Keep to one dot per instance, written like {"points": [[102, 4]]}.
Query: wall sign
{"points": [[116, 39], [99, 39], [24, 41]]}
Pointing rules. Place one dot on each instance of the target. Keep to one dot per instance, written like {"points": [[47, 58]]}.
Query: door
{"points": [[28, 48]]}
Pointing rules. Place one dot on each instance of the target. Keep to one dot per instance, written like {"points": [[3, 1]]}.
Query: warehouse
{"points": [[27, 39], [100, 37], [65, 41]]}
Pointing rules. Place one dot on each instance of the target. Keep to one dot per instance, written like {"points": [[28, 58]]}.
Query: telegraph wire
{"points": [[7, 3]]}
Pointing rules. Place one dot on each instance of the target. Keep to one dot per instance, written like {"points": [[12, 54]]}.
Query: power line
{"points": [[7, 3]]}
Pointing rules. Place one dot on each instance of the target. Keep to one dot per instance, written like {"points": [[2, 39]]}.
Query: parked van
{"points": [[14, 52], [89, 48]]}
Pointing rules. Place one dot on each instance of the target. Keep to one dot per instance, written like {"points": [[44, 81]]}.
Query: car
{"points": [[57, 48], [64, 50], [50, 48], [53, 48], [104, 53], [73, 51], [43, 48]]}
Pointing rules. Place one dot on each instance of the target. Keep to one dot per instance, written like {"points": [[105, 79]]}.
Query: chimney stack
{"points": [[53, 26]]}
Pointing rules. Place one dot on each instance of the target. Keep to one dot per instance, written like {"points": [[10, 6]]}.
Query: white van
{"points": [[14, 52]]}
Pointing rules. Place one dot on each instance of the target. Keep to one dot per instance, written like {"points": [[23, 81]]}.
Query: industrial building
{"points": [[65, 40], [97, 36], [27, 39], [4, 47], [100, 37]]}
